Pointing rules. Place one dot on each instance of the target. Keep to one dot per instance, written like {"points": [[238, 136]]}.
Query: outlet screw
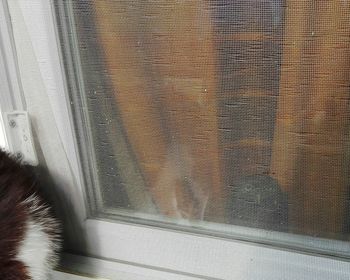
{"points": [[12, 123], [19, 155]]}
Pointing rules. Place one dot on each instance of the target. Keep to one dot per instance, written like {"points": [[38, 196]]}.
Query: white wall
{"points": [[2, 134]]}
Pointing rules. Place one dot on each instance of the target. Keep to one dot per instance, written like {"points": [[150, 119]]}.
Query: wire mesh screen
{"points": [[232, 112]]}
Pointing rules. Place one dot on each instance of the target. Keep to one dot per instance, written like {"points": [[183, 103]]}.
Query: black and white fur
{"points": [[29, 234]]}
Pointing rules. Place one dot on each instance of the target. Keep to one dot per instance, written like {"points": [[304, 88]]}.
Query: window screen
{"points": [[213, 112]]}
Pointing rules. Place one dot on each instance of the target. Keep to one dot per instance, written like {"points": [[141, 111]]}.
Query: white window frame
{"points": [[121, 249]]}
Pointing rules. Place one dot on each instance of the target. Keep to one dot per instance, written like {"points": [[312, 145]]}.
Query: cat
{"points": [[29, 233]]}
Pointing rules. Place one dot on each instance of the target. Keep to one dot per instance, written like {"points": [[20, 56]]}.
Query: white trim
{"points": [[204, 256], [10, 86], [14, 100], [94, 267], [282, 240], [29, 16], [235, 266], [3, 139], [59, 275], [43, 86]]}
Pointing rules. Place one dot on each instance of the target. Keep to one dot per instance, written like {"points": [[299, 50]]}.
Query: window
{"points": [[193, 139], [213, 111]]}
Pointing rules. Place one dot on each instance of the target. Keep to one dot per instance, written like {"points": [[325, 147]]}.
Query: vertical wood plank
{"points": [[134, 94], [161, 61], [190, 95], [310, 157]]}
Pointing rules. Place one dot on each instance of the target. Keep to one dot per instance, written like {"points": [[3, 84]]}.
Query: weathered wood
{"points": [[161, 61], [118, 33], [311, 143]]}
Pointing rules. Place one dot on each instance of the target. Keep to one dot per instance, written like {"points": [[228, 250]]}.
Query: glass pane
{"points": [[213, 113]]}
